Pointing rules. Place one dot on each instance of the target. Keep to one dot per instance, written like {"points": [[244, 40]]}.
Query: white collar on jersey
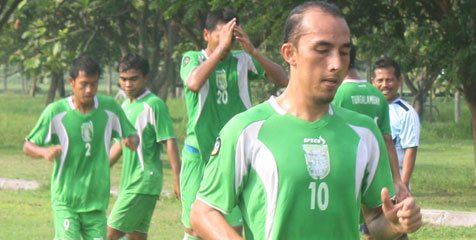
{"points": [[354, 80], [205, 53], [272, 101], [143, 94], [71, 104]]}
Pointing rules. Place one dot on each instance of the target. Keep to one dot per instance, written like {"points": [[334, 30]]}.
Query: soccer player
{"points": [[216, 89], [360, 96], [298, 167], [403, 117], [75, 134], [141, 180]]}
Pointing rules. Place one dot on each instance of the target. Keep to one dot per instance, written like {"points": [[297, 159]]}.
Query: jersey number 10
{"points": [[321, 195]]}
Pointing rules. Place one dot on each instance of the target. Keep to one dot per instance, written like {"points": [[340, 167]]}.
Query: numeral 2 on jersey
{"points": [[321, 195], [88, 149]]}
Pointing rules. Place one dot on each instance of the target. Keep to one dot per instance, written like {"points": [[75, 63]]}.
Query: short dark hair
{"points": [[353, 55], [84, 63], [134, 61], [216, 16], [293, 22], [386, 62]]}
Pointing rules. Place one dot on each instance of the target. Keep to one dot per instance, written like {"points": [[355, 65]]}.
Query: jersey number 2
{"points": [[88, 149], [321, 194]]}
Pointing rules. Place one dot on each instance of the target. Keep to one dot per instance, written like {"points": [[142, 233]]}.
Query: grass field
{"points": [[442, 179]]}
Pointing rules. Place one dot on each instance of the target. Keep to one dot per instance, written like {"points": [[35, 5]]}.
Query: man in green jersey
{"points": [[216, 89], [141, 180], [298, 167], [75, 134], [361, 96]]}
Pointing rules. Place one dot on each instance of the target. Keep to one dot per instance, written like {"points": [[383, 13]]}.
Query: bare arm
{"points": [[209, 223], [390, 221], [115, 153], [49, 153], [202, 72], [174, 158], [274, 72], [408, 164], [400, 189]]}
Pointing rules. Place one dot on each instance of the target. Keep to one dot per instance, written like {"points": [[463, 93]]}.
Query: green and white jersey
{"points": [[225, 94], [81, 179], [362, 97], [295, 179], [142, 169]]}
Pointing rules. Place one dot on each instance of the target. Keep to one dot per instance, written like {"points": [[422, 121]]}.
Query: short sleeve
{"points": [[378, 174], [410, 134], [189, 62], [164, 129], [41, 134], [218, 187]]}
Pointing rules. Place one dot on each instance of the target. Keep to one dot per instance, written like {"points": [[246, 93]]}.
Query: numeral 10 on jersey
{"points": [[319, 194]]}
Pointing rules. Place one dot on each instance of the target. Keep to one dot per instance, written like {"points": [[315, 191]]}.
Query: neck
{"points": [[132, 99], [352, 74], [295, 102], [83, 108]]}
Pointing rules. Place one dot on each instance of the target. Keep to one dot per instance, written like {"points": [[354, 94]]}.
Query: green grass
{"points": [[442, 179]]}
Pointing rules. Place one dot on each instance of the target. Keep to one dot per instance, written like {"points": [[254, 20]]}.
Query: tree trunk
{"points": [[109, 80], [33, 86], [5, 78], [53, 86], [470, 98], [457, 105], [60, 87], [24, 88]]}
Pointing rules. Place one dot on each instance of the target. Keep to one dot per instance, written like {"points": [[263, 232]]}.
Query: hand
{"points": [[244, 40], [132, 142], [401, 191], [177, 189], [52, 152], [404, 216], [225, 38]]}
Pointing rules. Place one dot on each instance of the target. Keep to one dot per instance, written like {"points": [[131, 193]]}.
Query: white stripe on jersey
{"points": [[245, 63], [203, 93], [263, 163], [368, 155], [146, 116], [113, 123], [58, 128]]}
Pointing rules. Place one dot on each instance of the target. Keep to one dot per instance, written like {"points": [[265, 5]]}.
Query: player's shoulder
{"points": [[152, 99], [239, 122], [61, 105], [402, 105], [192, 54], [352, 117], [107, 102]]}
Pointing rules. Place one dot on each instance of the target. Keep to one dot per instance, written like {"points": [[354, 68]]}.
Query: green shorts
{"points": [[71, 225], [191, 175], [132, 212]]}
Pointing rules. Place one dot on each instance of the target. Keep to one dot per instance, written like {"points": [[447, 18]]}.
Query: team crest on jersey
{"points": [[216, 148], [220, 76], [317, 160], [186, 60], [87, 131]]}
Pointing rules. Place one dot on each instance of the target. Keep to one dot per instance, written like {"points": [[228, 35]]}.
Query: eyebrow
{"points": [[327, 44]]}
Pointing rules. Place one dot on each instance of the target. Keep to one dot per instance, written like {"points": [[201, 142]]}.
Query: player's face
{"points": [[85, 88], [322, 56], [213, 38], [133, 82], [387, 82]]}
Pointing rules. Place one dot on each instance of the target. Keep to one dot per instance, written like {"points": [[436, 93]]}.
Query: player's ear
{"points": [[206, 33], [146, 77], [71, 81], [289, 53]]}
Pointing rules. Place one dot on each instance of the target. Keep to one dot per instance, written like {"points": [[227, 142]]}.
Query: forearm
{"points": [[33, 150], [408, 164], [202, 72], [209, 223], [174, 157], [274, 72], [115, 153]]}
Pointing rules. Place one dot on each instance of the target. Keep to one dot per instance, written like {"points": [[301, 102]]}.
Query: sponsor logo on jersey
{"points": [[87, 131], [220, 76], [186, 60], [317, 157], [216, 148]]}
